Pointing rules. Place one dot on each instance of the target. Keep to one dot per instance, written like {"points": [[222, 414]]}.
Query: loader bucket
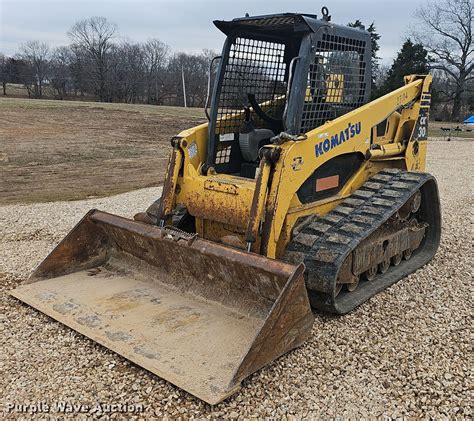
{"points": [[201, 315]]}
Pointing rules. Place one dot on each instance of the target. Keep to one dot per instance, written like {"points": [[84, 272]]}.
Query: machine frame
{"points": [[220, 202]]}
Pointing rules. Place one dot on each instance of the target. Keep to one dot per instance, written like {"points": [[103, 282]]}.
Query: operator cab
{"points": [[281, 73]]}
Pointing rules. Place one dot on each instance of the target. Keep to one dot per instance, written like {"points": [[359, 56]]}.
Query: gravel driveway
{"points": [[407, 352]]}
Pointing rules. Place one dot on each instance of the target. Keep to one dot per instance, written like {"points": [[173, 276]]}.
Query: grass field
{"points": [[436, 132], [60, 150], [19, 91], [66, 150]]}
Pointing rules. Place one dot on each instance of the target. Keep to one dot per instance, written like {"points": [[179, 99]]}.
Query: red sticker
{"points": [[327, 183]]}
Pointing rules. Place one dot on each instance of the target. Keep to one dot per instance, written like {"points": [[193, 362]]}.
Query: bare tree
{"points": [[3, 72], [59, 70], [445, 30], [79, 68], [36, 55], [94, 36], [97, 67], [127, 73], [14, 71], [195, 68], [155, 60]]}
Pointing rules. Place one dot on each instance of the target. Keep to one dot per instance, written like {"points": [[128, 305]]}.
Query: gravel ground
{"points": [[407, 352]]}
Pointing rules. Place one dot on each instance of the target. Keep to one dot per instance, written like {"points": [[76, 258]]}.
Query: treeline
{"points": [[441, 43], [413, 58], [95, 66]]}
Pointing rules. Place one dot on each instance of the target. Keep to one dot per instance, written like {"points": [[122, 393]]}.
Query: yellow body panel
{"points": [[220, 198], [222, 204]]}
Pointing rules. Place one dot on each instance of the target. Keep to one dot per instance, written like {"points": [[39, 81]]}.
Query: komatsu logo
{"points": [[348, 133]]}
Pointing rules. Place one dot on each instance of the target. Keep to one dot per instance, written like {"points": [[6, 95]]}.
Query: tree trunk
{"points": [[457, 101], [456, 108]]}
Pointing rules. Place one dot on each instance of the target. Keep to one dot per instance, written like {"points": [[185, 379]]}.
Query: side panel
{"points": [[350, 133], [330, 177]]}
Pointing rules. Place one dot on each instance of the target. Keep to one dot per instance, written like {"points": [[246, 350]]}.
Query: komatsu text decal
{"points": [[335, 140]]}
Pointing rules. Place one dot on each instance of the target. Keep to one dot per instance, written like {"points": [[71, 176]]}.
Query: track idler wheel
{"points": [[407, 254], [410, 207], [371, 273], [416, 202], [396, 260], [353, 286], [384, 265]]}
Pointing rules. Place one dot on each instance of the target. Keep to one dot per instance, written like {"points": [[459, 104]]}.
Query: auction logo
{"points": [[72, 408]]}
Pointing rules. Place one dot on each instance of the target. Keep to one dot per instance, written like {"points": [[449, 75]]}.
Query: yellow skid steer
{"points": [[298, 193]]}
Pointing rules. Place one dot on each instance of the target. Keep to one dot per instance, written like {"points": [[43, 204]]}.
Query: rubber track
{"points": [[324, 242]]}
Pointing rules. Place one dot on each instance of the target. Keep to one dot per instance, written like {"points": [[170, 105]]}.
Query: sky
{"points": [[186, 25]]}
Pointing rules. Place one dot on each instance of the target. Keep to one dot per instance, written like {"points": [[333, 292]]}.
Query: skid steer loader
{"points": [[299, 192]]}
